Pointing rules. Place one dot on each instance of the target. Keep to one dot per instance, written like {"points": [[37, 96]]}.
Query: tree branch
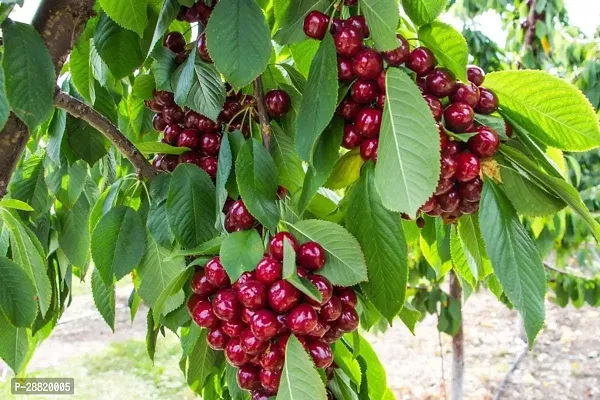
{"points": [[79, 109], [265, 126], [530, 34]]}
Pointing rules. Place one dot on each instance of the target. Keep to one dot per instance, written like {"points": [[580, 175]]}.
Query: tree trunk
{"points": [[458, 360]]}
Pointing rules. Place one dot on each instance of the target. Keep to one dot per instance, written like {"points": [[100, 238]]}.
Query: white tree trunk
{"points": [[458, 359]]}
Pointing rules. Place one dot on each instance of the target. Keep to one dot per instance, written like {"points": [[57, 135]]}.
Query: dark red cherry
{"points": [[204, 316], [421, 60], [350, 3], [209, 165], [247, 315], [488, 102], [170, 162], [429, 205], [470, 190], [205, 124], [230, 109], [468, 167], [153, 106], [270, 380], [458, 117], [509, 129], [368, 64], [466, 93], [235, 354], [348, 109], [217, 339], [368, 122], [398, 56], [435, 105], [345, 70], [380, 101], [276, 244], [359, 23], [204, 11], [260, 394], [347, 296], [164, 99], [174, 41], [302, 319], [348, 41], [200, 285], [368, 149], [253, 295], [324, 286], [348, 320], [191, 119], [215, 273], [320, 330], [272, 359], [189, 138], [173, 114], [448, 202], [311, 256], [453, 147], [381, 81], [159, 123], [191, 15], [245, 277], [444, 186], [443, 137], [441, 82], [210, 144], [331, 310], [436, 211], [264, 325], [269, 270], [364, 92], [233, 328], [336, 25], [485, 143], [248, 377], [333, 335], [193, 301], [226, 305], [449, 166], [278, 103], [283, 296], [321, 353], [190, 157], [467, 207], [475, 75], [172, 133], [351, 138], [241, 216], [202, 49], [315, 24], [251, 344]]}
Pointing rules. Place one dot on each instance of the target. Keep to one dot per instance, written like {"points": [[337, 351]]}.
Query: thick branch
{"points": [[79, 109], [263, 116]]}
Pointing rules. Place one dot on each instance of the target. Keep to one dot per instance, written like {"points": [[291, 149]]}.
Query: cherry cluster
{"points": [[253, 318]]}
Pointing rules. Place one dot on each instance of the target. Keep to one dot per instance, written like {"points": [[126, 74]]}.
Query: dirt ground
{"points": [[565, 363]]}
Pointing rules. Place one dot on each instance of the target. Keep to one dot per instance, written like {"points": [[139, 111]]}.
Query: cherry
{"points": [[449, 166], [336, 25], [443, 137], [210, 144], [247, 315], [200, 284], [485, 143], [368, 122], [245, 277], [333, 335], [319, 331], [282, 192], [233, 328], [248, 377], [170, 162], [205, 124], [364, 92], [435, 105], [217, 339], [458, 117], [348, 109], [272, 359], [351, 138], [436, 211], [159, 123], [368, 64], [173, 114], [241, 216], [331, 310], [251, 344], [488, 102], [230, 109], [448, 202], [348, 320], [189, 138], [350, 3], [441, 82], [204, 12], [302, 319], [311, 256], [453, 147], [475, 75], [381, 81], [282, 324], [429, 205], [347, 296], [264, 325], [202, 49], [315, 25], [466, 94], [193, 301], [172, 133], [345, 69], [468, 167], [324, 287], [398, 56], [253, 295], [260, 394], [303, 273], [321, 353], [215, 273], [191, 119], [283, 296], [209, 165], [348, 41], [422, 85], [235, 354], [471, 190], [368, 149], [509, 129], [444, 186], [226, 305], [153, 106], [190, 157], [269, 270], [180, 58], [359, 23], [175, 42], [468, 207], [380, 101], [204, 316], [278, 103], [276, 244], [164, 99], [421, 60], [270, 380]]}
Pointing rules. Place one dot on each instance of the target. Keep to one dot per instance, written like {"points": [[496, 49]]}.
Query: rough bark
{"points": [[458, 356], [263, 115]]}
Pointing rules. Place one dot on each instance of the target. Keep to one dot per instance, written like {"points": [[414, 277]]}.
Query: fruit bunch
{"points": [[252, 319], [452, 103]]}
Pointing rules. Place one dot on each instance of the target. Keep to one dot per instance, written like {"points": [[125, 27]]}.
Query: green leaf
{"points": [[410, 316], [346, 171], [551, 109], [257, 181], [160, 147], [130, 14], [319, 99], [374, 377], [144, 87], [224, 167], [104, 298], [163, 67], [16, 345], [291, 30], [81, 67], [183, 78], [17, 297], [85, 141], [29, 185], [435, 245], [201, 362], [239, 40], [170, 292], [299, 378], [289, 165], [28, 72], [207, 93], [241, 252], [15, 204], [210, 248], [118, 243], [290, 274], [382, 18], [74, 234], [346, 362], [341, 386], [345, 264], [423, 12], [448, 45], [234, 389], [473, 245], [465, 269], [515, 258], [191, 206], [4, 106], [297, 79], [408, 165], [168, 12], [379, 232]]}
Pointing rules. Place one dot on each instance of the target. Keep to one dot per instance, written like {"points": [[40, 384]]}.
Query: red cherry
{"points": [[368, 122], [230, 109], [283, 296], [351, 138], [217, 339], [348, 109], [204, 316], [336, 25], [488, 102], [190, 157], [174, 41], [443, 137], [348, 320], [270, 380], [331, 310], [350, 3], [359, 23], [153, 106], [509, 129], [264, 325], [235, 354], [311, 256], [210, 144], [345, 70], [435, 105], [245, 277], [182, 57], [421, 60], [429, 205], [368, 149], [193, 301], [272, 359], [276, 244], [441, 82], [398, 56], [364, 92], [164, 99], [453, 147], [281, 324], [315, 24], [191, 119], [303, 273], [319, 331], [215, 273], [468, 167], [159, 123], [253, 295], [333, 335], [468, 208], [251, 344], [248, 377], [321, 353], [470, 190], [466, 94], [200, 284], [348, 41], [324, 287], [269, 270], [202, 49], [485, 143], [205, 124], [190, 15], [241, 216], [260, 394], [448, 202], [475, 75], [170, 162], [226, 305], [449, 166], [368, 64], [422, 85], [347, 296], [189, 138], [458, 117], [247, 315], [172, 133], [173, 114], [436, 211], [233, 328], [444, 186], [380, 102], [302, 319], [381, 81], [278, 103], [204, 11]]}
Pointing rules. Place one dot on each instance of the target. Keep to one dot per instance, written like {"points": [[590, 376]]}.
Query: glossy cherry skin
{"points": [[315, 25], [253, 295], [302, 319], [248, 377], [210, 166], [200, 284], [260, 394], [359, 23], [321, 353], [448, 202], [453, 148], [468, 207], [351, 138], [331, 310], [347, 296], [468, 167], [368, 64], [215, 273], [336, 25], [368, 149], [210, 144], [206, 125], [348, 320], [368, 122], [364, 92], [245, 277], [233, 328], [449, 166], [247, 315], [276, 244], [475, 75], [435, 105], [269, 270], [458, 117], [193, 301], [471, 190], [350, 3], [230, 109], [264, 325], [348, 41], [380, 101], [226, 305], [345, 70], [278, 103], [241, 216], [251, 344], [324, 287], [235, 354], [217, 339], [153, 106], [466, 93], [283, 296], [172, 133], [485, 143], [381, 81], [204, 316], [320, 330], [421, 60], [444, 186], [159, 123], [348, 109], [311, 256], [190, 157], [164, 99], [272, 359], [170, 162], [441, 82], [488, 102], [189, 138], [203, 50], [398, 56], [173, 114], [270, 380], [333, 335], [429, 205], [174, 41]]}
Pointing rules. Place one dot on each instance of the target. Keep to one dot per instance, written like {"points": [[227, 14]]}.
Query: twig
{"points": [[263, 116], [563, 272], [81, 110], [512, 369], [530, 34]]}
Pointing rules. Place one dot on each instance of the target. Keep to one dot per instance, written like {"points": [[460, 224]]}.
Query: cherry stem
{"points": [[263, 116]]}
